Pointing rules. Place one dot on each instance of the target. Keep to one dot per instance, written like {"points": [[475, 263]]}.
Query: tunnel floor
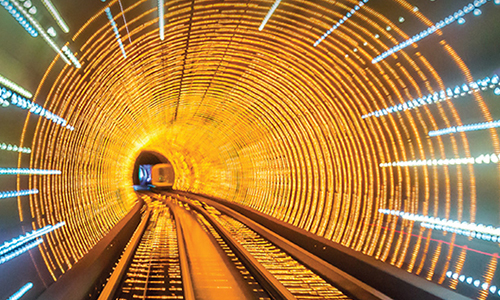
{"points": [[212, 270]]}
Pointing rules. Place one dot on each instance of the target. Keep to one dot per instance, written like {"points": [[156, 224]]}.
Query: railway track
{"points": [[155, 270], [191, 250]]}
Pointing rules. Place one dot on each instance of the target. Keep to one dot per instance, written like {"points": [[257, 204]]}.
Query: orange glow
{"points": [[259, 118]]}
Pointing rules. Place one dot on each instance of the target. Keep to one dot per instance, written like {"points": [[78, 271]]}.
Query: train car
{"points": [[163, 176]]}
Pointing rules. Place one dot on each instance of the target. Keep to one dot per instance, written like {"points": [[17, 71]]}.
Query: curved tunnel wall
{"points": [[267, 119]]}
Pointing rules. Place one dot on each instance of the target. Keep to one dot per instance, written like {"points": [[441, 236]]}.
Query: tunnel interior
{"points": [[142, 167], [371, 124]]}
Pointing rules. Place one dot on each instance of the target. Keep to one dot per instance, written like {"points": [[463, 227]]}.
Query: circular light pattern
{"points": [[266, 119]]}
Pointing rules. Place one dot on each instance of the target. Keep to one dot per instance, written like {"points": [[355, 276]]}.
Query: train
{"points": [[162, 176]]}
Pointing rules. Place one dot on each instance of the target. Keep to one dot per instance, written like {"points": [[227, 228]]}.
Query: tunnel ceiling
{"points": [[306, 120]]}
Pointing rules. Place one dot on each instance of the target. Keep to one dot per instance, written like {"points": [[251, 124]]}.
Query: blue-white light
{"points": [[467, 233], [478, 231], [23, 239], [161, 19], [16, 88], [18, 251], [115, 30], [17, 295], [14, 148], [341, 21], [475, 282], [55, 14], [464, 128], [7, 94], [12, 171], [13, 194], [471, 7], [19, 18], [40, 29], [17, 246], [447, 94], [269, 14], [481, 159], [71, 57]]}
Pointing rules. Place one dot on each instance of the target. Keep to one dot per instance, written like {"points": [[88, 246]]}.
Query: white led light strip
{"points": [[21, 102], [448, 94], [447, 21], [12, 194], [341, 21], [38, 27], [53, 11], [20, 19], [477, 231], [14, 148], [71, 57], [12, 171], [115, 30], [464, 128], [161, 19], [482, 159], [475, 282], [16, 88], [5, 258], [17, 295], [269, 14], [23, 239]]}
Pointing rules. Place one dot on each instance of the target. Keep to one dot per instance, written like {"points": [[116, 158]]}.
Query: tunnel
{"points": [[359, 138]]}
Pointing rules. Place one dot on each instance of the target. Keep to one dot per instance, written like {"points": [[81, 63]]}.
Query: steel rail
{"points": [[114, 281], [274, 288], [187, 283]]}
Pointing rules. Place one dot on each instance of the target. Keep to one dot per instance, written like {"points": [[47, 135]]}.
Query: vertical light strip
{"points": [[16, 88], [124, 20], [115, 30], [446, 21], [161, 20], [341, 21], [269, 14], [17, 295], [55, 14]]}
